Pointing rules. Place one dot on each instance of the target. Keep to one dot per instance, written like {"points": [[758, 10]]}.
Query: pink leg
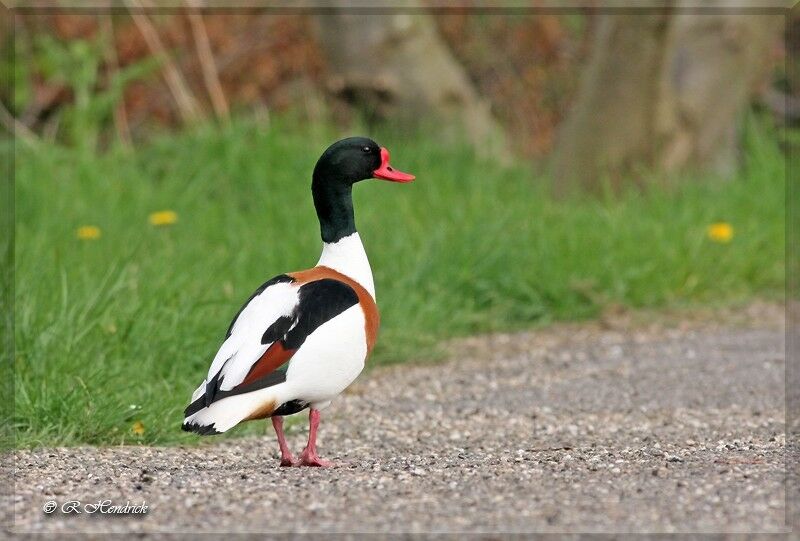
{"points": [[309, 456], [286, 454]]}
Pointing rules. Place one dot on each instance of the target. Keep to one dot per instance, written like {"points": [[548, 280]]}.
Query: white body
{"points": [[328, 361]]}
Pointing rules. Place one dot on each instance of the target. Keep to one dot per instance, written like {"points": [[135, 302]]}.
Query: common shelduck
{"points": [[302, 337]]}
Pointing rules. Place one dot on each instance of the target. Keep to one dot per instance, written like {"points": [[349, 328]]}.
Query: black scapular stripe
{"points": [[281, 278], [278, 330], [320, 301]]}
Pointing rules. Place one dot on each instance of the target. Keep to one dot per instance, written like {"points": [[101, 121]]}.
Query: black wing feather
{"points": [[278, 330], [320, 301]]}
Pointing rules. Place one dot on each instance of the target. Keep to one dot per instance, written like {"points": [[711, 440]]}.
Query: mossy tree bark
{"points": [[663, 91]]}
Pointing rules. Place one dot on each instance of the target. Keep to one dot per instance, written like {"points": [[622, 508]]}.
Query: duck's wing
{"points": [[269, 329]]}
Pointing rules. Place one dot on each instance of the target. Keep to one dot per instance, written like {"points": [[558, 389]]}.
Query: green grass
{"points": [[121, 329]]}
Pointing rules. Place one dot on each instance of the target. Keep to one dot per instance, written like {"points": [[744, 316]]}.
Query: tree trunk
{"points": [[663, 91], [396, 67]]}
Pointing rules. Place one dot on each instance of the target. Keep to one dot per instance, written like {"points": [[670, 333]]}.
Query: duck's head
{"points": [[354, 159], [343, 164]]}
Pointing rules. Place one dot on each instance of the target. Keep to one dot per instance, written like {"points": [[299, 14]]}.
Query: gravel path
{"points": [[638, 428]]}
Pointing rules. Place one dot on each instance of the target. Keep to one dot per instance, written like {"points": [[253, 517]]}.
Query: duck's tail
{"points": [[225, 413]]}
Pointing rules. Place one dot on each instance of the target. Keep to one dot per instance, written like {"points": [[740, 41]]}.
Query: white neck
{"points": [[347, 256]]}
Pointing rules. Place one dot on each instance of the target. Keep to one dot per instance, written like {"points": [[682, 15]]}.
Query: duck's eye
{"points": [[366, 149]]}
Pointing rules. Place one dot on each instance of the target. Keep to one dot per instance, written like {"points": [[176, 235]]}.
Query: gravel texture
{"points": [[657, 427]]}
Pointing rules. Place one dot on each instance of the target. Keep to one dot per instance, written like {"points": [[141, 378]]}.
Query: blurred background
{"points": [[571, 164], [662, 90]]}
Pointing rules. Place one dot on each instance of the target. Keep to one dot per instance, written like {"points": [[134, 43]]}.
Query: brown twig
{"points": [[16, 127], [120, 115], [187, 105], [207, 63]]}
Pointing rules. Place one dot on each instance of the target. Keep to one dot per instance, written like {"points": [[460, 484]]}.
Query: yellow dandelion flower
{"points": [[88, 232], [721, 232], [138, 428], [163, 217]]}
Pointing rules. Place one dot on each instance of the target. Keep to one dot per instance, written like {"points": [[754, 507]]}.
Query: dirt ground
{"points": [[673, 423]]}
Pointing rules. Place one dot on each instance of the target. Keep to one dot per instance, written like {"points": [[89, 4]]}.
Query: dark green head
{"points": [[343, 164]]}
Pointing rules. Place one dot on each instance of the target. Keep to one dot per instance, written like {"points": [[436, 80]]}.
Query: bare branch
{"points": [[120, 115], [16, 127], [187, 105], [206, 56]]}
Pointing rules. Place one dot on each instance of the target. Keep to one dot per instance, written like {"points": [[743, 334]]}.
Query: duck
{"points": [[302, 337]]}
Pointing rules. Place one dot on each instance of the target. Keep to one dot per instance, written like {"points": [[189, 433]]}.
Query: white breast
{"points": [[347, 256]]}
